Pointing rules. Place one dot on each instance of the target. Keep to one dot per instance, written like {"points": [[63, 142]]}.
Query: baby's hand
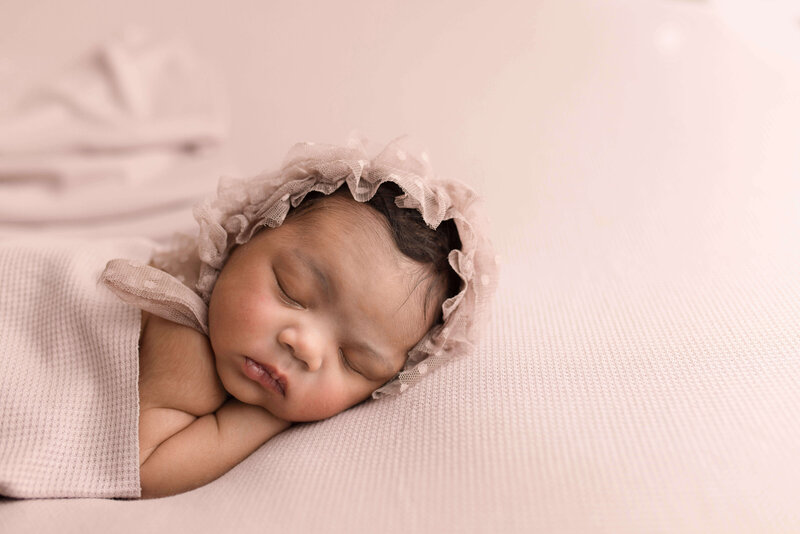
{"points": [[207, 448]]}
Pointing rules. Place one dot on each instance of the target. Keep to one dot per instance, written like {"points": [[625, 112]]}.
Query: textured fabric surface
{"points": [[69, 403]]}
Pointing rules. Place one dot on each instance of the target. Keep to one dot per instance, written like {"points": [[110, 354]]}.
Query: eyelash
{"points": [[285, 296], [346, 362]]}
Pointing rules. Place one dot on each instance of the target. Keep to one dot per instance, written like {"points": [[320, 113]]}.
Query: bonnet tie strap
{"points": [[156, 292]]}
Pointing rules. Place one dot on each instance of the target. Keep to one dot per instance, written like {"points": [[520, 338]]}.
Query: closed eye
{"points": [[284, 295], [347, 364]]}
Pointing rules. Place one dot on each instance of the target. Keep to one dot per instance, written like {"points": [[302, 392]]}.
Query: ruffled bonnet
{"points": [[179, 282]]}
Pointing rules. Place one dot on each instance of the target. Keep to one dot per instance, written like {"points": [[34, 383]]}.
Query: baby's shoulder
{"points": [[177, 368]]}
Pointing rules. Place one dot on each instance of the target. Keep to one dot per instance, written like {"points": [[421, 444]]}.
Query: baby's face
{"points": [[309, 318]]}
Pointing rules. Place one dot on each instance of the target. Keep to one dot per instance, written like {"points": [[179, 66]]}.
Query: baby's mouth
{"points": [[268, 377]]}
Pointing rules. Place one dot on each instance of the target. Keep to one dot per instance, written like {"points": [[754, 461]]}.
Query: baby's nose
{"points": [[305, 345]]}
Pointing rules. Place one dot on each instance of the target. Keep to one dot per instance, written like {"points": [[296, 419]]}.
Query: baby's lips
{"points": [[279, 377], [260, 369]]}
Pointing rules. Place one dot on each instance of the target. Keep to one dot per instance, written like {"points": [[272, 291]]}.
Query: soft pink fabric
{"points": [[69, 364]]}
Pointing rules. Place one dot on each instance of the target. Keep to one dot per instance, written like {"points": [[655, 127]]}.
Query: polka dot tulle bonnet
{"points": [[244, 206]]}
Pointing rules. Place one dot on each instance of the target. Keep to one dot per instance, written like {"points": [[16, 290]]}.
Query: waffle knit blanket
{"points": [[68, 371]]}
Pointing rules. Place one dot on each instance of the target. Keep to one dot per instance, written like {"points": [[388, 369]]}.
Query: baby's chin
{"points": [[250, 393]]}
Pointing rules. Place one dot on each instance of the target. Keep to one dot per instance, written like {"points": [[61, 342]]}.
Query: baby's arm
{"points": [[207, 448]]}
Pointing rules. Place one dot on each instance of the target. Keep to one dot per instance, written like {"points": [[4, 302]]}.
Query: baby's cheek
{"points": [[228, 319], [244, 309], [320, 403]]}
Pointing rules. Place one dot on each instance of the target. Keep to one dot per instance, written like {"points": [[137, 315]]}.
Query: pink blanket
{"points": [[68, 371]]}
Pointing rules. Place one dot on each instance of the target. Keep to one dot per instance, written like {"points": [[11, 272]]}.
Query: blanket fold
{"points": [[133, 131]]}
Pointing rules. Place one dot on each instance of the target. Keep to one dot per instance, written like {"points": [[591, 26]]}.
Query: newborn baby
{"points": [[305, 320], [303, 292], [306, 291]]}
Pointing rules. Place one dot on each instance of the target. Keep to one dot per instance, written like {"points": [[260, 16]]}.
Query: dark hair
{"points": [[412, 236]]}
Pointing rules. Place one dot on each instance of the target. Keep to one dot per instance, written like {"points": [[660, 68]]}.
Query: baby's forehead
{"points": [[352, 221]]}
